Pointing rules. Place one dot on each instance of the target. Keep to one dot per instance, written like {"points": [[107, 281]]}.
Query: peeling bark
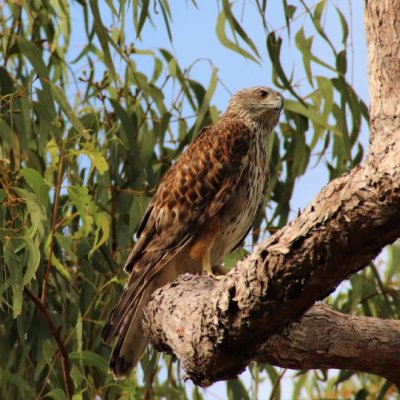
{"points": [[217, 328]]}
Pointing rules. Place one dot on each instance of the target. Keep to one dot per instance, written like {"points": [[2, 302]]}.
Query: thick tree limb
{"points": [[325, 338], [220, 327]]}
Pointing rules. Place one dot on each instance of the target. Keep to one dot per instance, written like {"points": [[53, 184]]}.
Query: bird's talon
{"points": [[211, 275]]}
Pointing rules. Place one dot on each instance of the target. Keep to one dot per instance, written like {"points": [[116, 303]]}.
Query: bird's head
{"points": [[260, 104]]}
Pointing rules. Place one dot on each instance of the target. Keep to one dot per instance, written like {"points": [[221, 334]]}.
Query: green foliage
{"points": [[83, 145]]}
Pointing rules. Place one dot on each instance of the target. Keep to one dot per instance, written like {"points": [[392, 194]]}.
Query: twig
{"points": [[45, 381], [276, 384], [56, 334], [60, 223], [57, 188]]}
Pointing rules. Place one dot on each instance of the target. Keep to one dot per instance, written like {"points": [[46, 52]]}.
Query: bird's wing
{"points": [[197, 186]]}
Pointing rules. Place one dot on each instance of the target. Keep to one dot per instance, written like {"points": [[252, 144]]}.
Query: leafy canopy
{"points": [[86, 135]]}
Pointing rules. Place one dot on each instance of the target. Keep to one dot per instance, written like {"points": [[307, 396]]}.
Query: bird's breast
{"points": [[240, 211]]}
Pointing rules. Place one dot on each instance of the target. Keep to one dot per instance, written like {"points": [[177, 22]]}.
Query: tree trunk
{"points": [[217, 328]]}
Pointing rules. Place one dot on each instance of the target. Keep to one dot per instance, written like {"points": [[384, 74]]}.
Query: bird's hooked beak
{"points": [[278, 104]]}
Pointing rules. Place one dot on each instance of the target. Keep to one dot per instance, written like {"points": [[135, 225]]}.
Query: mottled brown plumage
{"points": [[203, 207]]}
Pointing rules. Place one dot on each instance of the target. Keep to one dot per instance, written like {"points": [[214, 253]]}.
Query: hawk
{"points": [[204, 206]]}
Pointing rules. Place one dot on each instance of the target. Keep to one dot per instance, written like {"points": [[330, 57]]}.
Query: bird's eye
{"points": [[263, 94]]}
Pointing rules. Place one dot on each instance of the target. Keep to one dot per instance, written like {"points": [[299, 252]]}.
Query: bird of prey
{"points": [[204, 206]]}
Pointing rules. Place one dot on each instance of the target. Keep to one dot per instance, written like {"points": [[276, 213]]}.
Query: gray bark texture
{"points": [[263, 309]]}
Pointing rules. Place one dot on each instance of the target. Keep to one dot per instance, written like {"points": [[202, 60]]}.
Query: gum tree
{"points": [[86, 135]]}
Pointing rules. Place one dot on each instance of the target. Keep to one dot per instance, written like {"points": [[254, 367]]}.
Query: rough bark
{"points": [[220, 327], [328, 339], [323, 338]]}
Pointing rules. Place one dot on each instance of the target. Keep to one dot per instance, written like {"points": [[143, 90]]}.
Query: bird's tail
{"points": [[131, 342], [125, 321]]}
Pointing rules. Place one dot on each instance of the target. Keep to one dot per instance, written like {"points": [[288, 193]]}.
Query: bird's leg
{"points": [[219, 270], [206, 263], [207, 268]]}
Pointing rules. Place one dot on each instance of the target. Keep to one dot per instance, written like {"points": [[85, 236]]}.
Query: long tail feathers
{"points": [[131, 342], [125, 321]]}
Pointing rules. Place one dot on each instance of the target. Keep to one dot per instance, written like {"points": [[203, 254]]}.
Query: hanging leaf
{"points": [[103, 225], [221, 34], [62, 101]]}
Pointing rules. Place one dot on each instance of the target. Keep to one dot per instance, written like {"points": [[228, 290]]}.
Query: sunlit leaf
{"points": [[32, 52], [14, 267], [274, 45], [59, 95], [79, 338], [345, 27], [103, 226], [59, 266], [222, 36], [37, 183], [79, 195], [237, 28], [144, 13], [206, 101], [313, 115], [103, 37], [56, 394], [98, 161]]}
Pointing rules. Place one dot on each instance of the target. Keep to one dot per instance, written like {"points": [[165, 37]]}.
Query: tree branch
{"points": [[217, 328], [325, 338], [56, 334]]}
